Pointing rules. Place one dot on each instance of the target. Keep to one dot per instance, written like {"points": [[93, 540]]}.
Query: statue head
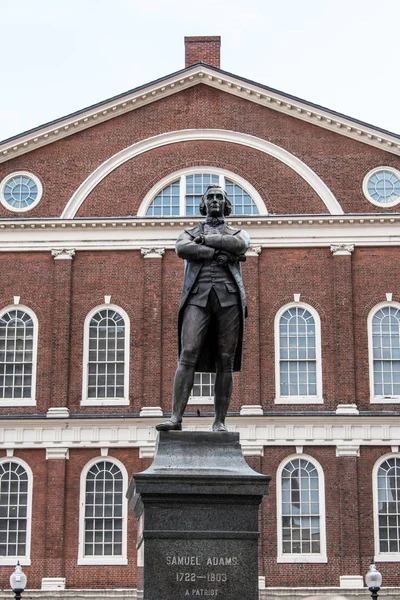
{"points": [[215, 202]]}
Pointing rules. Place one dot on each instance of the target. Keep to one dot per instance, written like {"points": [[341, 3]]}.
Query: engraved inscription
{"points": [[208, 579]]}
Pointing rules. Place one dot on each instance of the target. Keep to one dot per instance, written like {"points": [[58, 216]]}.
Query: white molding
{"points": [[174, 83], [321, 557], [269, 431], [63, 253], [380, 556], [348, 449], [272, 231], [221, 135], [389, 296], [392, 170], [53, 583], [351, 581], [105, 401], [251, 409], [318, 399], [254, 251], [17, 299], [373, 398], [347, 409], [32, 400], [24, 560], [57, 412], [342, 249], [34, 178], [201, 400], [151, 411], [182, 173], [102, 560], [152, 252], [57, 453]]}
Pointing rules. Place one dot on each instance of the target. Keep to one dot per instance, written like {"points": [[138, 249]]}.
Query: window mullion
{"points": [[182, 195]]}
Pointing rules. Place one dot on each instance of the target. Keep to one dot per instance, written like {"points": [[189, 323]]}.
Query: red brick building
{"points": [[91, 205]]}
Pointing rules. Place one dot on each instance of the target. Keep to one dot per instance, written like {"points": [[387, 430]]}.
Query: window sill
{"points": [[201, 400], [299, 400], [17, 402], [302, 558], [395, 557], [103, 560], [9, 560], [385, 400], [106, 402]]}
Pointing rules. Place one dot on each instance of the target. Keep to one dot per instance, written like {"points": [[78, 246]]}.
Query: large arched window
{"points": [[386, 487], [180, 194], [106, 356], [15, 511], [103, 522], [18, 348], [298, 355], [384, 352], [301, 510]]}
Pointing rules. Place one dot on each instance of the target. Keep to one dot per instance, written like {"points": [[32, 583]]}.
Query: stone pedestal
{"points": [[197, 507]]}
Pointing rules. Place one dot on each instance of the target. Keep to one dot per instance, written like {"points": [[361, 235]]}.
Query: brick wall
{"points": [[340, 162]]}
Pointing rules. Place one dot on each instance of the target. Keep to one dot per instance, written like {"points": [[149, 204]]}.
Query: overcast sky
{"points": [[59, 56]]}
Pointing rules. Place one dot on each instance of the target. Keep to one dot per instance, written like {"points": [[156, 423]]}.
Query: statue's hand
{"points": [[223, 258], [199, 239]]}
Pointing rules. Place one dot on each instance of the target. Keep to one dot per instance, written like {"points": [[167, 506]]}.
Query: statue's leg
{"points": [[228, 328], [194, 330]]}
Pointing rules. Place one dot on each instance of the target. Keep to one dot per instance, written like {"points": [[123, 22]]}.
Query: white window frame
{"points": [[181, 174], [373, 398], [34, 178], [367, 177], [32, 400], [321, 557], [381, 556], [318, 399], [105, 401], [201, 400], [102, 560], [24, 560]]}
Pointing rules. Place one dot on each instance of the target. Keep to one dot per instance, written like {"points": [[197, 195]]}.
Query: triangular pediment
{"points": [[184, 79]]}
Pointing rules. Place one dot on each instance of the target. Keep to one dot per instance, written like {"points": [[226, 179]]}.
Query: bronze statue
{"points": [[212, 308]]}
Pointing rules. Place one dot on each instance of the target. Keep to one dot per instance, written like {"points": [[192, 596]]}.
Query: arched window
{"points": [[15, 511], [384, 352], [298, 355], [301, 511], [18, 348], [386, 486], [106, 356], [180, 194], [103, 513]]}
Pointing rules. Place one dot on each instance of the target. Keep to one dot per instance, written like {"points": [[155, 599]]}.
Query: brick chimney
{"points": [[206, 49]]}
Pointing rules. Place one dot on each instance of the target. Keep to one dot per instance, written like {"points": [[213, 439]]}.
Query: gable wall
{"points": [[62, 166]]}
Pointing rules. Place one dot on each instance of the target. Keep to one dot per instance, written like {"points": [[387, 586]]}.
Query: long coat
{"points": [[194, 255]]}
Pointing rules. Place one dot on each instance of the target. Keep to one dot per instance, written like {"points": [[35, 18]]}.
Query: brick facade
{"points": [[342, 288]]}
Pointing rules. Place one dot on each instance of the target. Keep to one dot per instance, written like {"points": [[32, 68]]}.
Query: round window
{"points": [[20, 191], [382, 186]]}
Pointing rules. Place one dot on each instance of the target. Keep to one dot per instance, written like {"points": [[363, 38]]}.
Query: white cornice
{"points": [[180, 81], [269, 231], [345, 433]]}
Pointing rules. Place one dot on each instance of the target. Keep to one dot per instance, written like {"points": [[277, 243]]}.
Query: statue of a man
{"points": [[212, 307]]}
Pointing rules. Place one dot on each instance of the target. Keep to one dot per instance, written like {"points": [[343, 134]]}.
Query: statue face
{"points": [[215, 202]]}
